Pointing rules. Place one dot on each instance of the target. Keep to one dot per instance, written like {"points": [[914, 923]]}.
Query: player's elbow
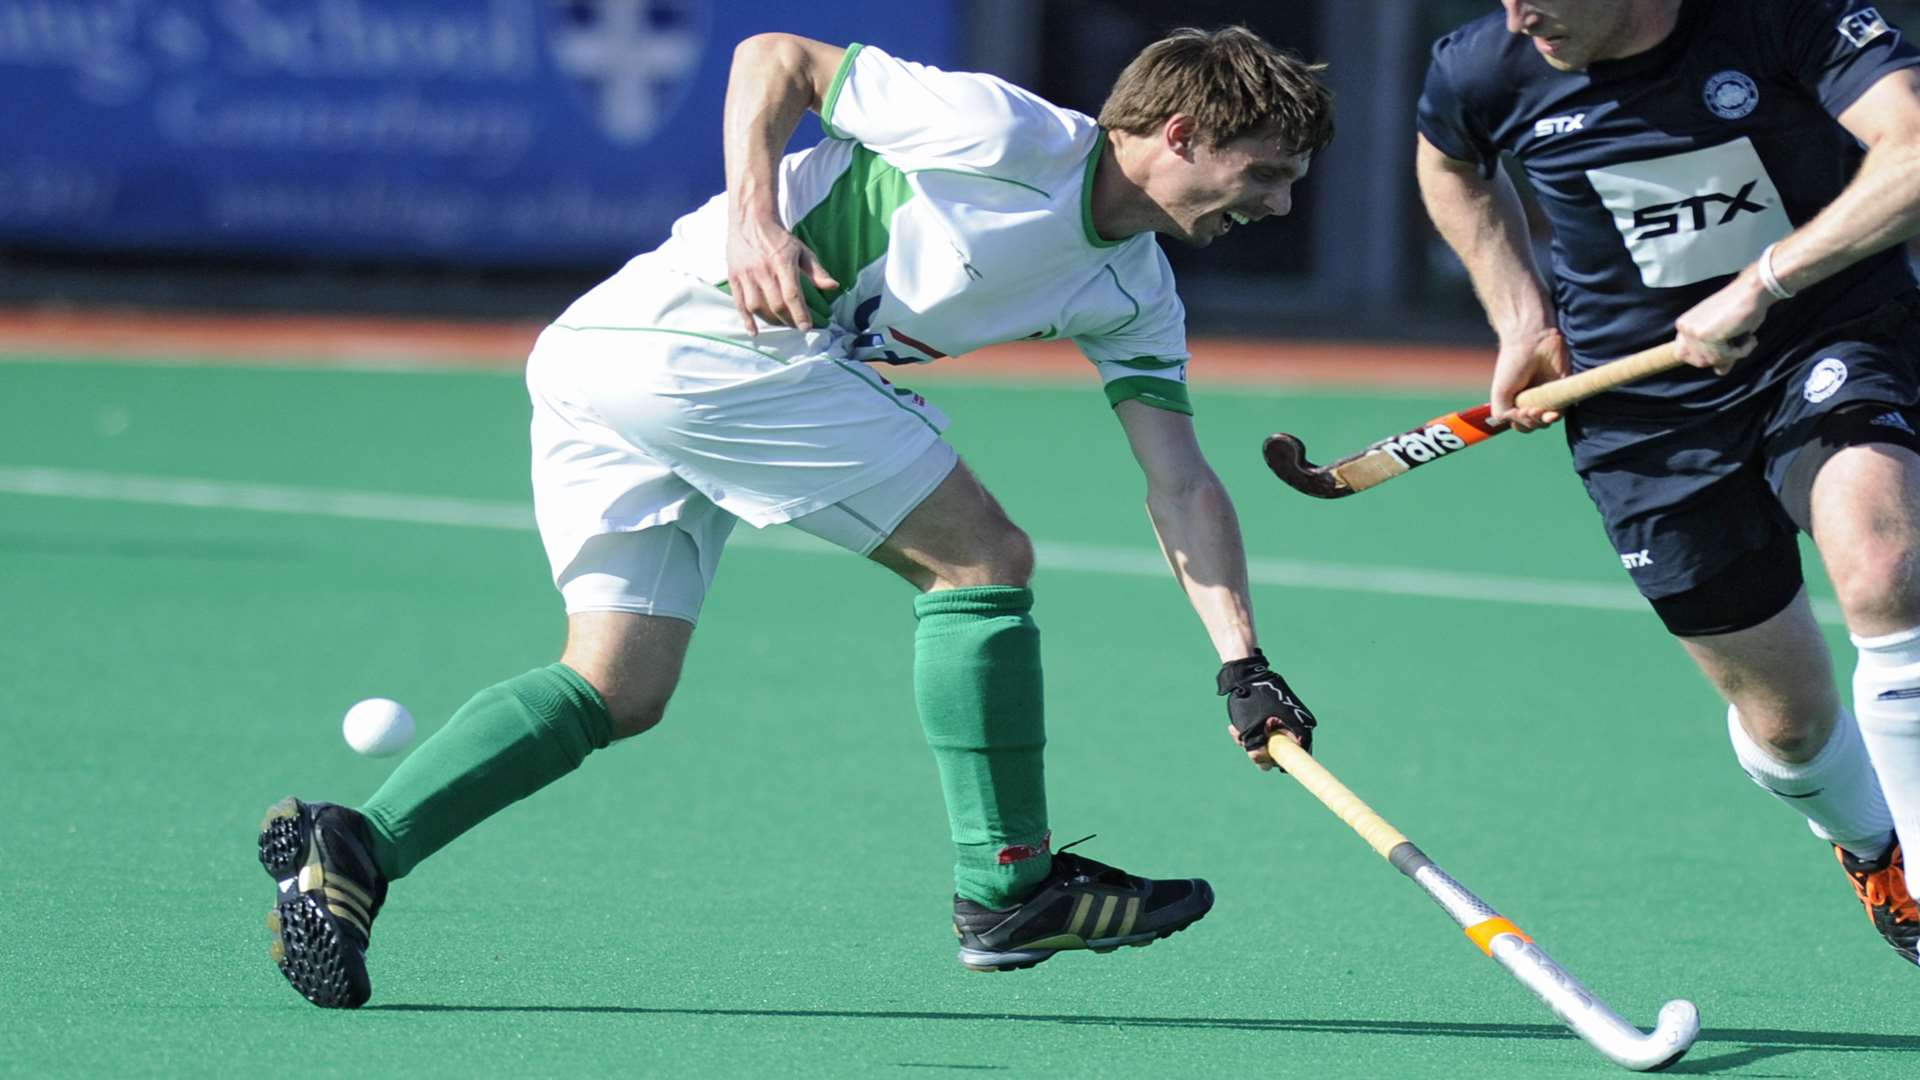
{"points": [[765, 52], [801, 62], [1432, 168], [1187, 493], [767, 44]]}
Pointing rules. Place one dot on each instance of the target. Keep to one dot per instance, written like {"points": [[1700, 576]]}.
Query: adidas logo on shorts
{"points": [[1893, 420]]}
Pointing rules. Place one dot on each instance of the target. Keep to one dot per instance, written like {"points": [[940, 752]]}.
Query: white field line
{"points": [[1082, 558]]}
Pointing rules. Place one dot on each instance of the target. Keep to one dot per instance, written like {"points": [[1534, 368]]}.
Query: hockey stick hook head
{"points": [[1673, 1032], [1287, 457]]}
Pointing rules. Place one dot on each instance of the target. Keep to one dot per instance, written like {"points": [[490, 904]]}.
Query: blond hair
{"points": [[1231, 81]]}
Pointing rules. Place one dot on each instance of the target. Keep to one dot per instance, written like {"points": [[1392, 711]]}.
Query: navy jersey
{"points": [[1665, 173]]}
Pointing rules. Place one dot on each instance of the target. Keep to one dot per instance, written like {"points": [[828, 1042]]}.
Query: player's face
{"points": [[1570, 34], [1242, 180]]}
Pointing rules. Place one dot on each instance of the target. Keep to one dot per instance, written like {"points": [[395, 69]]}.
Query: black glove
{"points": [[1254, 693]]}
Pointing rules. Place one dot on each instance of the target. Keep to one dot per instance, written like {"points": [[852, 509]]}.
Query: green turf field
{"points": [[218, 561]]}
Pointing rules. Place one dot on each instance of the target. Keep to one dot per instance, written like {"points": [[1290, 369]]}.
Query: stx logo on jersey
{"points": [[1559, 125], [1634, 560], [1666, 219], [1863, 26], [1695, 215], [1420, 447]]}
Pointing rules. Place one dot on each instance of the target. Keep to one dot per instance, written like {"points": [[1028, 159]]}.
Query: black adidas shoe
{"points": [[1082, 904], [329, 891], [1881, 886]]}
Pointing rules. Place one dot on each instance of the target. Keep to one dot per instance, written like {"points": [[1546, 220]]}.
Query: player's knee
{"points": [[634, 714], [1012, 561], [1018, 556], [635, 699], [1878, 584], [1787, 733]]}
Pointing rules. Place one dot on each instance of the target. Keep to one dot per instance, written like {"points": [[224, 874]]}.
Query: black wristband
{"points": [[1256, 695], [1233, 672]]}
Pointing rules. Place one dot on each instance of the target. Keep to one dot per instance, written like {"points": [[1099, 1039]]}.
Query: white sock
{"points": [[1886, 693], [1837, 791]]}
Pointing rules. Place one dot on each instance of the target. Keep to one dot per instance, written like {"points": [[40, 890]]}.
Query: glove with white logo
{"points": [[1259, 702]]}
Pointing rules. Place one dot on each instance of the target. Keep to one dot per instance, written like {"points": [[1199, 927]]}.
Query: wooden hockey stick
{"points": [[1287, 456]]}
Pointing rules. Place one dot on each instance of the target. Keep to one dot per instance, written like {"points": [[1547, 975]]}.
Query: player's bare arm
{"points": [[1482, 220], [1879, 208], [1195, 521], [775, 80], [1199, 534]]}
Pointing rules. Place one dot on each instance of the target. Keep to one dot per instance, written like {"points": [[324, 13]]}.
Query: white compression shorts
{"points": [[657, 425]]}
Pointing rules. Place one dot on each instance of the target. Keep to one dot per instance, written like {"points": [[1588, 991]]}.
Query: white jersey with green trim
{"points": [[954, 210]]}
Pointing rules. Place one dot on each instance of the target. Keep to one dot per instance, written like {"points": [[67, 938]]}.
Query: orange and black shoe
{"points": [[328, 891], [1882, 888], [1081, 904]]}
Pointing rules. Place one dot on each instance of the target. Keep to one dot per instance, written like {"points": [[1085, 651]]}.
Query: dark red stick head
{"points": [[1287, 457]]}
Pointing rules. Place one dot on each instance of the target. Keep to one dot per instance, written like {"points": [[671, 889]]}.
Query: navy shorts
{"points": [[1699, 509]]}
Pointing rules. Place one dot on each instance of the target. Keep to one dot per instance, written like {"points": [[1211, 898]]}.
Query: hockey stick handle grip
{"points": [[1560, 393], [1313, 776]]}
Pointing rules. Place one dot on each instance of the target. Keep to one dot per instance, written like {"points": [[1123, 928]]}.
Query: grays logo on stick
{"points": [[1421, 445]]}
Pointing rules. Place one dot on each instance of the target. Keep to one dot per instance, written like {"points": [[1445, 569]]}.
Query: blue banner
{"points": [[489, 132]]}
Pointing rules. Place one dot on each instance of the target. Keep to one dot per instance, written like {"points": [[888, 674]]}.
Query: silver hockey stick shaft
{"points": [[1576, 1006]]}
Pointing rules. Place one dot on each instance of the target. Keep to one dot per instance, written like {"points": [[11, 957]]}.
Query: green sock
{"points": [[976, 675], [509, 741]]}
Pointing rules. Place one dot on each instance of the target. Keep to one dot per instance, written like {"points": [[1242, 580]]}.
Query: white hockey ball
{"points": [[378, 727]]}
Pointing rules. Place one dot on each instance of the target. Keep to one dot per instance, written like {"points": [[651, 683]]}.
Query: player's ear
{"points": [[1179, 133]]}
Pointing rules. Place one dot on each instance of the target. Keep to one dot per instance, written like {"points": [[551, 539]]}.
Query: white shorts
{"points": [[653, 411], [667, 569]]}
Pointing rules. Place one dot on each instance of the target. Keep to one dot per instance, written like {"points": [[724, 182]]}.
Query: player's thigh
{"points": [[1866, 521], [768, 439], [957, 537], [1777, 673], [1841, 452], [1707, 543], [640, 397], [1681, 501], [863, 520]]}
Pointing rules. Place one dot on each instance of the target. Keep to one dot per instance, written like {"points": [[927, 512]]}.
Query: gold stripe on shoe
{"points": [[344, 912], [351, 890], [1106, 916], [341, 904], [1077, 924]]}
